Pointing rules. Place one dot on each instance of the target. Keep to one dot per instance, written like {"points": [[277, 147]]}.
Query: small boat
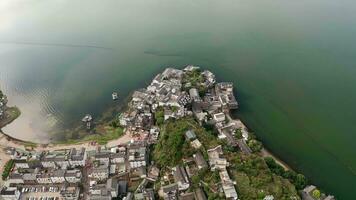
{"points": [[115, 96], [87, 118]]}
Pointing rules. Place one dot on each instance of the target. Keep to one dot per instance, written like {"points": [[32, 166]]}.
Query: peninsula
{"points": [[178, 140]]}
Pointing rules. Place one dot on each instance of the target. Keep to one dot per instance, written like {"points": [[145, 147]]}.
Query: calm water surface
{"points": [[293, 63]]}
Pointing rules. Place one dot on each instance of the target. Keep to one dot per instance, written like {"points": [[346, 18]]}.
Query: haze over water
{"points": [[293, 63]]}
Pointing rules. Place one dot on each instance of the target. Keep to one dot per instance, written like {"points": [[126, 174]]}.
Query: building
{"points": [[103, 157], [57, 176], [73, 176], [107, 190], [209, 77], [70, 192], [147, 194], [10, 193], [119, 157], [200, 161], [22, 163], [48, 162], [194, 95], [15, 178], [187, 196], [30, 178], [307, 193], [112, 185], [216, 161], [137, 155], [227, 185], [153, 173], [219, 117], [268, 197], [181, 178], [77, 158], [200, 195], [122, 188], [196, 144], [100, 172], [170, 192], [54, 160], [190, 135], [44, 178], [226, 95]]}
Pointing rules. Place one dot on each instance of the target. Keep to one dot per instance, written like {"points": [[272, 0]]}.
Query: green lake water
{"points": [[293, 64]]}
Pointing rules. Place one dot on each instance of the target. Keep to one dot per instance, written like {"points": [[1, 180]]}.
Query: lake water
{"points": [[293, 63]]}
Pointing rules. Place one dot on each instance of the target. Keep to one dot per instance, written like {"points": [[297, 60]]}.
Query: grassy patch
{"points": [[108, 133], [29, 145], [171, 147]]}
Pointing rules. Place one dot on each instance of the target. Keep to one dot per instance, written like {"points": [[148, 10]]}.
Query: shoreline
{"points": [[103, 119], [267, 153]]}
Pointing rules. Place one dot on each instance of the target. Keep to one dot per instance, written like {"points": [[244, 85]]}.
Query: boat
{"points": [[87, 118], [115, 96]]}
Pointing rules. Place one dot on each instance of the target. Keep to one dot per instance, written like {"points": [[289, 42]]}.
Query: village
{"points": [[131, 170]]}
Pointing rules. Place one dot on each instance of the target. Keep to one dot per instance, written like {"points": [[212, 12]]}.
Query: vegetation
{"points": [[238, 134], [1, 94], [104, 135], [252, 174], [194, 79], [255, 146], [172, 146], [7, 168], [298, 180], [29, 145], [255, 180], [159, 116], [210, 181], [316, 194]]}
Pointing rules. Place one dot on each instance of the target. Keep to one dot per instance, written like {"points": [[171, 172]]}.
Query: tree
{"points": [[300, 181], [238, 134], [255, 145], [8, 166], [159, 115], [316, 194]]}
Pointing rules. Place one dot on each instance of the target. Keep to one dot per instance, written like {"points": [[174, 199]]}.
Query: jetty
{"points": [[115, 96]]}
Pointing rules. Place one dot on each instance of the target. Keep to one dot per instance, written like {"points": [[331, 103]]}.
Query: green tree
{"points": [[8, 166], [316, 194], [300, 181], [256, 146], [238, 134], [159, 115]]}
